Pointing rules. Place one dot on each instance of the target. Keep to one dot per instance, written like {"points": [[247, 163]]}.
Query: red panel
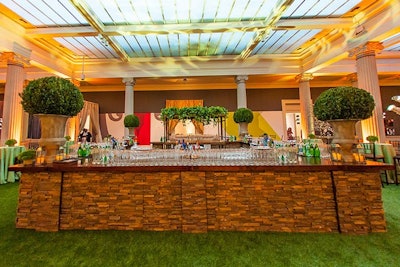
{"points": [[143, 131]]}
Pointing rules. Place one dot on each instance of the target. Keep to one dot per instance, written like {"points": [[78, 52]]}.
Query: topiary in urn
{"points": [[343, 107], [131, 121], [243, 116], [53, 100]]}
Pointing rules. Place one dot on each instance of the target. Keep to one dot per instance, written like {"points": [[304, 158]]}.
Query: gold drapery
{"points": [[91, 109], [199, 127]]}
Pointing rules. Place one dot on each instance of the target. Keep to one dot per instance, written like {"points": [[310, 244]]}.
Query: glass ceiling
{"points": [[128, 29]]}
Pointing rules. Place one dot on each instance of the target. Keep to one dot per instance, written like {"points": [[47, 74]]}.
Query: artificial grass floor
{"points": [[21, 247]]}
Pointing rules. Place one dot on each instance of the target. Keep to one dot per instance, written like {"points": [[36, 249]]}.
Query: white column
{"points": [[368, 80], [306, 105], [241, 91], [13, 114], [129, 98], [352, 77]]}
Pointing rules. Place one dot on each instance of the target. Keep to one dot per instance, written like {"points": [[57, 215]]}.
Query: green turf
{"points": [[20, 247]]}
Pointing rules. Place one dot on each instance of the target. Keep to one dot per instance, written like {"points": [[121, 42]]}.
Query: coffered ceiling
{"points": [[174, 44]]}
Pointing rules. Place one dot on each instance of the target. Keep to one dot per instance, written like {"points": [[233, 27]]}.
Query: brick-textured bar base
{"points": [[197, 201]]}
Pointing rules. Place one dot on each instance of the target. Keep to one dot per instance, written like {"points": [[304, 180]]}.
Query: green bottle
{"points": [[317, 152]]}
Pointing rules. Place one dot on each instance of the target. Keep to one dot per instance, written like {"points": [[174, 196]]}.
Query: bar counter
{"points": [[309, 196]]}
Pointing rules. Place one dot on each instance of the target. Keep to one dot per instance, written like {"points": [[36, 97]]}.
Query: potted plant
{"points": [[243, 116], [343, 107], [27, 156], [131, 121], [372, 138], [11, 142], [53, 100]]}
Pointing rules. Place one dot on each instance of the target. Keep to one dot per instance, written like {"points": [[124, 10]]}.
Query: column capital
{"points": [[241, 78], [352, 77], [11, 58], [304, 77], [129, 81], [366, 49]]}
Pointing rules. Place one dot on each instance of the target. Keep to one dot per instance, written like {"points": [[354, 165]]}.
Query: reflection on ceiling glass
{"points": [[125, 29]]}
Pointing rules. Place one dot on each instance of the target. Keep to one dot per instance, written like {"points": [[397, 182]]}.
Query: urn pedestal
{"points": [[344, 135], [52, 134]]}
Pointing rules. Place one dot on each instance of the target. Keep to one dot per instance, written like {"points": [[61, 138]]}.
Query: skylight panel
{"points": [[182, 11], [23, 9], [172, 45], [214, 43], [154, 45], [183, 44], [169, 14], [128, 43], [224, 10], [142, 12], [196, 11], [345, 7], [210, 11], [144, 45], [317, 8], [97, 7], [243, 42]]}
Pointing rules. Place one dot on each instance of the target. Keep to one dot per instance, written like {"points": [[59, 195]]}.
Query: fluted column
{"points": [[13, 114], [352, 77], [306, 105], [368, 80], [129, 98], [241, 91]]}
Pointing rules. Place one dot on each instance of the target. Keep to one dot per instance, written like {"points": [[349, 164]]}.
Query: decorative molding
{"points": [[369, 48], [241, 78], [129, 81], [304, 77], [11, 58]]}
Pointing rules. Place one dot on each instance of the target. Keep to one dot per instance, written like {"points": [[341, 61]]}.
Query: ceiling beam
{"points": [[271, 21], [98, 26], [215, 27]]}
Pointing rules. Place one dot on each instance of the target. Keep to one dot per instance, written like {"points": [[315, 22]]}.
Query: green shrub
{"points": [[372, 138], [344, 102], [131, 120], [27, 154], [52, 95], [243, 115], [11, 142]]}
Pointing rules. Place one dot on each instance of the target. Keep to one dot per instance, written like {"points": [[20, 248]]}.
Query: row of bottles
{"points": [[309, 150]]}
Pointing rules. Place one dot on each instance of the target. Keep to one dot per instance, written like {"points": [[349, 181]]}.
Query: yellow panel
{"points": [[257, 127]]}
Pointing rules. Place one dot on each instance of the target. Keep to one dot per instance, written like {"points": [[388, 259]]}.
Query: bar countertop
{"points": [[304, 164]]}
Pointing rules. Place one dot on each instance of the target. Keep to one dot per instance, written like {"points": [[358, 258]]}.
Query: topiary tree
{"points": [[131, 121], [52, 95], [344, 103], [243, 115]]}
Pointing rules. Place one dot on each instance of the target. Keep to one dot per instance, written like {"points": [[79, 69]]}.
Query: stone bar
{"points": [[302, 197]]}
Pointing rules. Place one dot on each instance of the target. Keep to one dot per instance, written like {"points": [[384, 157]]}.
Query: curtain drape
{"points": [[92, 110], [199, 127]]}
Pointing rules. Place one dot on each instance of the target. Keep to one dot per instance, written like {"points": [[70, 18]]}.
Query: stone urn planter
{"points": [[131, 121], [342, 107], [53, 100], [243, 116], [52, 134], [344, 135]]}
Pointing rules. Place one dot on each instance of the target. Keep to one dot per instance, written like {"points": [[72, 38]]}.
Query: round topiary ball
{"points": [[344, 103], [243, 115], [52, 95], [131, 120]]}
